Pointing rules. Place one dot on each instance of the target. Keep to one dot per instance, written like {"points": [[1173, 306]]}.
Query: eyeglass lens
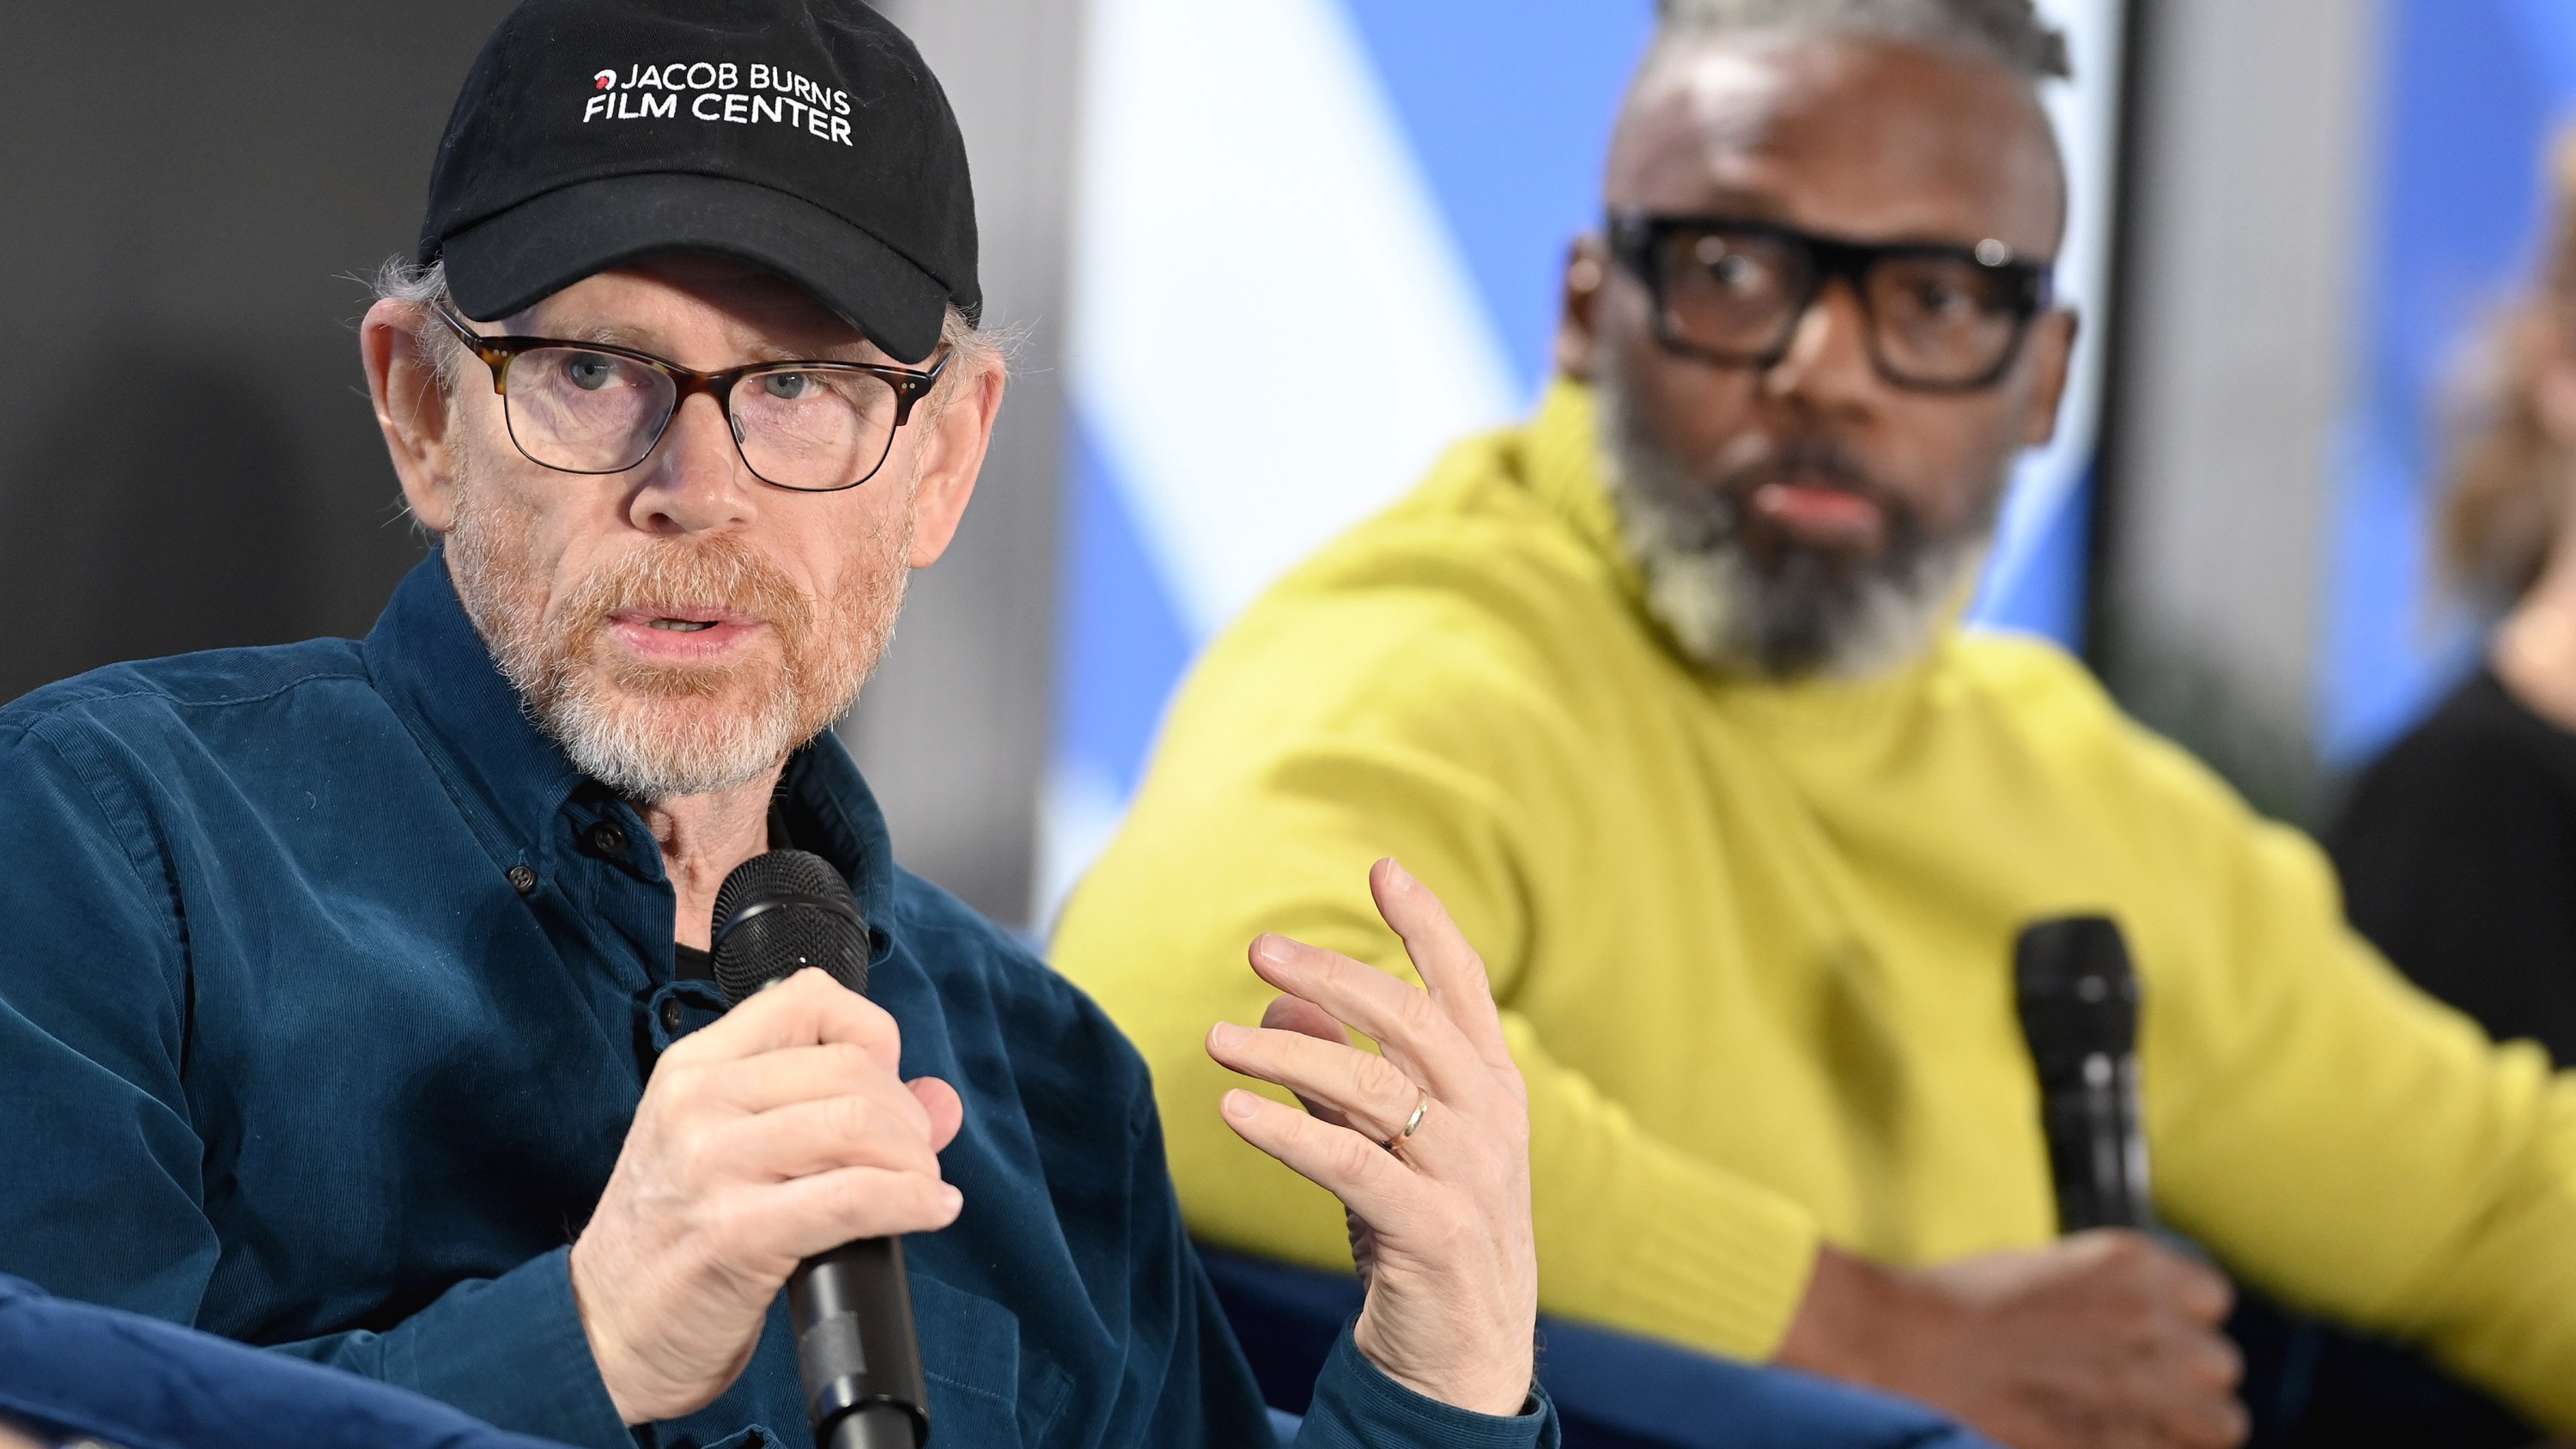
{"points": [[1933, 318], [807, 428]]}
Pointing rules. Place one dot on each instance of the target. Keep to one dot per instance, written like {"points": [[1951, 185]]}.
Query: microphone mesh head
{"points": [[780, 913]]}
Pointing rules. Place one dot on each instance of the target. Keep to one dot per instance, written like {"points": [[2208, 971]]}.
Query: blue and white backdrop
{"points": [[1271, 191]]}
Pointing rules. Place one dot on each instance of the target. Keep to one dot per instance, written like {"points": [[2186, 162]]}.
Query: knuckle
{"points": [[1349, 1155], [1379, 1080], [728, 1224], [2121, 1249], [850, 1122], [1416, 1014]]}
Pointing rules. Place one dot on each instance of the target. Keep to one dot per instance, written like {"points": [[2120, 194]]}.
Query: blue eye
{"points": [[590, 371], [787, 386]]}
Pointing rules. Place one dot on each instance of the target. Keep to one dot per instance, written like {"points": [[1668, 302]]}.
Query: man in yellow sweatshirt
{"points": [[1664, 694]]}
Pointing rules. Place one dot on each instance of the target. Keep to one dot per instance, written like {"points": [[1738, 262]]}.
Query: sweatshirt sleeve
{"points": [[1252, 822], [2348, 1143], [100, 1138]]}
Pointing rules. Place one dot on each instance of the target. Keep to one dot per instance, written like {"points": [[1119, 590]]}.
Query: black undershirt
{"points": [[2458, 857], [688, 963]]}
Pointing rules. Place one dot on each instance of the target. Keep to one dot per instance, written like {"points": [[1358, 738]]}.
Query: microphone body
{"points": [[851, 1308], [2078, 998]]}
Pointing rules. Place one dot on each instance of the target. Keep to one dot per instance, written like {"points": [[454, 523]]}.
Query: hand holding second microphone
{"points": [[2107, 1338], [781, 1131]]}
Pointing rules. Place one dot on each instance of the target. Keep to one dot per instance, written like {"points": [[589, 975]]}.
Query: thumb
{"points": [[947, 1110]]}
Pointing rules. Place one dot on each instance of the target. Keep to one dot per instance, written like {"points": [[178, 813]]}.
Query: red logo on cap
{"points": [[605, 79]]}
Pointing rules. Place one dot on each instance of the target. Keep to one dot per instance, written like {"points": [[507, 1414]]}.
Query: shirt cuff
{"points": [[1358, 1407], [511, 1351]]}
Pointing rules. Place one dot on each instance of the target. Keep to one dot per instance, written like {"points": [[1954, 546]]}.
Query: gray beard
{"points": [[1810, 615]]}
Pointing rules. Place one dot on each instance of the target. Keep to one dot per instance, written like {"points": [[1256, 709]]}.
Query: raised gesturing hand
{"points": [[1427, 1145]]}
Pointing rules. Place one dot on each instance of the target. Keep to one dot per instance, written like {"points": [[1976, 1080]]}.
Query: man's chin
{"points": [[657, 743]]}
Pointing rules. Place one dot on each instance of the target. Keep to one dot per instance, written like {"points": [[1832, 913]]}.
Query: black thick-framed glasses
{"points": [[587, 407], [1938, 317]]}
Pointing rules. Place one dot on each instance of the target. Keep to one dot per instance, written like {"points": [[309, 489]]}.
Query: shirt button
{"points": [[522, 879], [671, 1017], [607, 839]]}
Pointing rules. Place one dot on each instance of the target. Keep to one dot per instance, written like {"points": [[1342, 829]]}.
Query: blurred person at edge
{"points": [[354, 997], [2458, 846], [1665, 693]]}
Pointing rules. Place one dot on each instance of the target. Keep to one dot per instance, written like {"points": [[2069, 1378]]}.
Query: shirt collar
{"points": [[512, 782], [508, 778]]}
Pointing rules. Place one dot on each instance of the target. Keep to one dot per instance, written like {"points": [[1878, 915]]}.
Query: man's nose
{"points": [[1827, 365], [695, 481]]}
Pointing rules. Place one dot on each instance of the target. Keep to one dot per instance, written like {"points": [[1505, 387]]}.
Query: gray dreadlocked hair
{"points": [[2008, 32]]}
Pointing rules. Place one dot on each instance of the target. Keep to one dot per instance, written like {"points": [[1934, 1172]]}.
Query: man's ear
{"points": [[959, 435], [1578, 336], [411, 410], [2052, 353]]}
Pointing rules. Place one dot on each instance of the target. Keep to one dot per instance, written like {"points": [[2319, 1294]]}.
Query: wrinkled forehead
{"points": [[1852, 136], [698, 296]]}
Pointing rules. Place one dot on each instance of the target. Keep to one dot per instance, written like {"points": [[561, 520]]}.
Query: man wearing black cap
{"points": [[354, 997]]}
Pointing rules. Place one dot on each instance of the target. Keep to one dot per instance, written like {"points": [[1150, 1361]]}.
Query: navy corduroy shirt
{"points": [[329, 987]]}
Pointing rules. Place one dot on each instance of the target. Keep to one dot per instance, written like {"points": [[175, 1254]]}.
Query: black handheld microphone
{"points": [[851, 1307], [2078, 997]]}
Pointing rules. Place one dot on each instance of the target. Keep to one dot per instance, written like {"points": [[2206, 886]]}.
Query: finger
{"points": [[2197, 1291], [1289, 1013], [1366, 1092], [1293, 1013], [2207, 1361], [807, 1009], [805, 1138], [1408, 1027], [1370, 1182], [947, 1109], [1448, 964], [778, 1078], [2204, 1420], [816, 1214]]}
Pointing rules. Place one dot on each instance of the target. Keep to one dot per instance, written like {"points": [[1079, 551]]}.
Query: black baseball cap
{"points": [[802, 136]]}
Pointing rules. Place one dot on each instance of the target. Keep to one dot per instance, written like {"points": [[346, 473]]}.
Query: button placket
{"points": [[680, 1008]]}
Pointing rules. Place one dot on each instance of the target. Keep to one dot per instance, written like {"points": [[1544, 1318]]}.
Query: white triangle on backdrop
{"points": [[1274, 334]]}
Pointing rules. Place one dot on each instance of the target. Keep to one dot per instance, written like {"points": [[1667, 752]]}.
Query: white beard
{"points": [[653, 734]]}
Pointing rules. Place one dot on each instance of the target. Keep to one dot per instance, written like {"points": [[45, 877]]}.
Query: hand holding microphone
{"points": [[2106, 1338], [780, 1133]]}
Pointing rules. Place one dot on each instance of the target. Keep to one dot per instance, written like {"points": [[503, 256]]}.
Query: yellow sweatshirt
{"points": [[1753, 944]]}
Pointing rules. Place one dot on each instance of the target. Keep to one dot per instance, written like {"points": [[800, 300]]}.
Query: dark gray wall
{"points": [[186, 453], [953, 731]]}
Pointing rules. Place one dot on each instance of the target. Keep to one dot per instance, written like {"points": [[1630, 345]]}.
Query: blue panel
{"points": [[1508, 105], [2471, 91], [2047, 596], [1121, 646]]}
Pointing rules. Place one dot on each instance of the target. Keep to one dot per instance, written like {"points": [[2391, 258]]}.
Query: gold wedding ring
{"points": [[1412, 1124]]}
